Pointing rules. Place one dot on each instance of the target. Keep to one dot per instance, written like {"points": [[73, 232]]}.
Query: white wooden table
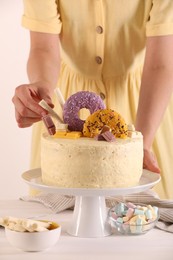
{"points": [[156, 244]]}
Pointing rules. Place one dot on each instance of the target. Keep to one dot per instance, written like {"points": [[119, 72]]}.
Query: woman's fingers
{"points": [[26, 101]]}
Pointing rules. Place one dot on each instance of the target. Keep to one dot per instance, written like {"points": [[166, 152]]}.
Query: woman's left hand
{"points": [[150, 162]]}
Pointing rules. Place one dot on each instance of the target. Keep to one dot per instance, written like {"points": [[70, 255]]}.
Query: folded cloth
{"points": [[58, 203], [55, 202]]}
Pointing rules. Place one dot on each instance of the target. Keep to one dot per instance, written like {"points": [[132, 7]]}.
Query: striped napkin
{"points": [[58, 203]]}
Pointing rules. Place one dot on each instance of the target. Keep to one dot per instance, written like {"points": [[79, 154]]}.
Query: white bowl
{"points": [[34, 241]]}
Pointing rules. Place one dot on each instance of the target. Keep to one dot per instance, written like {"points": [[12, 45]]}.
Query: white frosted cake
{"points": [[88, 163], [99, 152]]}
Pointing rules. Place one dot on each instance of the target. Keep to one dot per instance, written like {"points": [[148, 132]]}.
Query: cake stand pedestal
{"points": [[90, 213], [89, 217]]}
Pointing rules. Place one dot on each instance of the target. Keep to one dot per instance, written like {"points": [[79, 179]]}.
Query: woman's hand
{"points": [[150, 162], [26, 99]]}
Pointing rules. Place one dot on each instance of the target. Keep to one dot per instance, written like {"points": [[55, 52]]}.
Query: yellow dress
{"points": [[102, 50]]}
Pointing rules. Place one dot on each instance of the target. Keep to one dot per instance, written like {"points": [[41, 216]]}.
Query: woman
{"points": [[122, 50]]}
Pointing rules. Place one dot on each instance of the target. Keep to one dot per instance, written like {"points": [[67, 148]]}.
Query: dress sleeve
{"points": [[161, 18], [41, 16]]}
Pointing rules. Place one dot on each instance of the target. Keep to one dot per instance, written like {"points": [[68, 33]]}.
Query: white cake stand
{"points": [[90, 213]]}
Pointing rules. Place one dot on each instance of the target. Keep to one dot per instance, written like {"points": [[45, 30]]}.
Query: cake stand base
{"points": [[90, 213], [95, 224]]}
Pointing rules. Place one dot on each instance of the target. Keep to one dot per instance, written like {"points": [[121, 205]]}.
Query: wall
{"points": [[14, 142]]}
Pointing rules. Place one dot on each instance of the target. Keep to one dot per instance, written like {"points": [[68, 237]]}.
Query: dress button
{"points": [[99, 29], [98, 60], [102, 95]]}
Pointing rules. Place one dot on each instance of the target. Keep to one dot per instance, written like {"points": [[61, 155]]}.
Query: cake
{"points": [[99, 152], [88, 163]]}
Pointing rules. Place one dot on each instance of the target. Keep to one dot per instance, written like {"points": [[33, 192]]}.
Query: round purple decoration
{"points": [[79, 100]]}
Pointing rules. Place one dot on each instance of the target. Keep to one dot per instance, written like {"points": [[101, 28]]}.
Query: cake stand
{"points": [[90, 212]]}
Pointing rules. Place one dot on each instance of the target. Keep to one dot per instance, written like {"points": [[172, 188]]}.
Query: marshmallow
{"points": [[62, 127], [134, 134], [148, 214], [119, 209], [131, 127], [133, 218], [22, 225], [138, 212], [130, 212]]}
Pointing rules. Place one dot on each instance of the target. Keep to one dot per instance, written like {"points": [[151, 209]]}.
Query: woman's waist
{"points": [[90, 71]]}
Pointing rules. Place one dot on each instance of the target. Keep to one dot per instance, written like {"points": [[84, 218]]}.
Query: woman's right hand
{"points": [[26, 99]]}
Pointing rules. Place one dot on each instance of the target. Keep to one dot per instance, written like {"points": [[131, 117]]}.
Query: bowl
{"points": [[34, 241], [127, 226]]}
